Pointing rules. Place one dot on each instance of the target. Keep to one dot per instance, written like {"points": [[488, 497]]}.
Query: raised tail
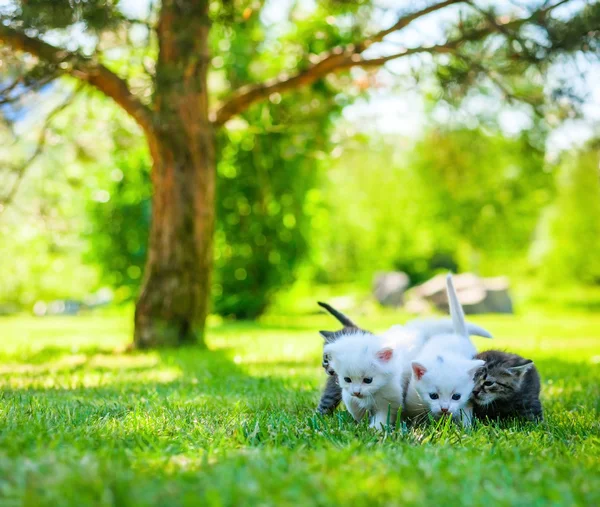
{"points": [[475, 330], [456, 311], [345, 321]]}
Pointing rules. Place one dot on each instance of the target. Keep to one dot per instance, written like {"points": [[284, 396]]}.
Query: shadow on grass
{"points": [[194, 375], [49, 354]]}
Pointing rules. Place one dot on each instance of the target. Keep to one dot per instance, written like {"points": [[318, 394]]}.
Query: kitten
{"points": [[442, 374], [332, 393], [369, 371], [331, 336], [507, 387]]}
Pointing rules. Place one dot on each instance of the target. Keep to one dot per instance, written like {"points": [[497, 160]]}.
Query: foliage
{"points": [[83, 425], [41, 243], [268, 162], [118, 226], [262, 215], [488, 189], [458, 197], [570, 234]]}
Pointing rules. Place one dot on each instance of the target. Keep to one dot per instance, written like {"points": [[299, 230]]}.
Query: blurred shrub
{"points": [[569, 240], [464, 198], [263, 225], [119, 224], [488, 189]]}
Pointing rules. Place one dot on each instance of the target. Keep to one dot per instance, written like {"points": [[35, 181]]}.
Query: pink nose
{"points": [[357, 394], [444, 411]]}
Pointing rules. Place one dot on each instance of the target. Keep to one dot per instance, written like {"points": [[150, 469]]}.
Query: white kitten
{"points": [[369, 370], [442, 373]]}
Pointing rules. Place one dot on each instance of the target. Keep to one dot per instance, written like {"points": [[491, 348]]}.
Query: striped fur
{"points": [[331, 396], [332, 393]]}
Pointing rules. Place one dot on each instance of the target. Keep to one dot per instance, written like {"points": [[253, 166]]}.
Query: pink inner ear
{"points": [[419, 370], [385, 355]]}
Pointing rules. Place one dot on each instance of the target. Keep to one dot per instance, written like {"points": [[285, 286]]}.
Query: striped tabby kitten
{"points": [[332, 393], [506, 387]]}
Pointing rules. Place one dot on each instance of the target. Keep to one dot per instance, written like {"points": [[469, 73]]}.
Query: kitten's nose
{"points": [[476, 392], [357, 394], [444, 410]]}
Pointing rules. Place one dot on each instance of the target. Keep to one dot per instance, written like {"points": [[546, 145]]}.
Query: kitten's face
{"points": [[445, 386], [362, 370], [326, 364], [498, 383], [361, 381]]}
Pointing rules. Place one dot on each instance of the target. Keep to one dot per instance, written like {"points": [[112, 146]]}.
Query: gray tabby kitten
{"points": [[332, 393], [506, 387]]}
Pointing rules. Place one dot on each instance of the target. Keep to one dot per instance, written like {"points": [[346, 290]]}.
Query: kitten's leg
{"points": [[355, 410], [331, 397], [380, 419]]}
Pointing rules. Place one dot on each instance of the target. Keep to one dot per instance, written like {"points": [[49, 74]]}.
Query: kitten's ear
{"points": [[418, 370], [521, 370], [329, 350], [328, 336], [385, 354], [475, 365]]}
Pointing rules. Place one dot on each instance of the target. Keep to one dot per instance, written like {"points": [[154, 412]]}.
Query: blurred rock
{"points": [[389, 288], [101, 298], [58, 307], [477, 295]]}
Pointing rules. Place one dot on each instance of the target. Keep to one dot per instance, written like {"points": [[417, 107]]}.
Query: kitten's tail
{"points": [[345, 321], [456, 311], [431, 327]]}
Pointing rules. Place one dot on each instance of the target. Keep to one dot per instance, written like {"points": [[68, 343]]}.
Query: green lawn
{"points": [[84, 424]]}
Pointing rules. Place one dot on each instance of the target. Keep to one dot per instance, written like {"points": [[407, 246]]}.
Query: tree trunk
{"points": [[173, 303]]}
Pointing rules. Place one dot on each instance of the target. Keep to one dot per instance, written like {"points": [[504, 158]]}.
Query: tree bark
{"points": [[173, 303]]}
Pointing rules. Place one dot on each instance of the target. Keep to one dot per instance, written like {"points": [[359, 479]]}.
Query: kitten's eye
{"points": [[348, 379], [434, 396], [368, 380], [488, 383], [456, 397]]}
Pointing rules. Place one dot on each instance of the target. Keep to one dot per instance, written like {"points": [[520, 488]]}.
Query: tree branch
{"points": [[83, 68], [403, 22], [503, 87], [7, 98], [343, 58], [331, 61], [10, 195]]}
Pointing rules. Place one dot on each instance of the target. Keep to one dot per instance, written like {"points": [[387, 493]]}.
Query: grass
{"points": [[81, 424]]}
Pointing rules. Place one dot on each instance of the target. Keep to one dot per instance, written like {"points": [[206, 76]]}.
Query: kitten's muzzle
{"points": [[357, 394], [330, 371]]}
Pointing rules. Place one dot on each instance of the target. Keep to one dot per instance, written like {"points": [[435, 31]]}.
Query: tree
{"points": [[179, 124]]}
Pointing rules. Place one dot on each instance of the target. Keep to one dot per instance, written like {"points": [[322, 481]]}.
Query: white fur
{"points": [[358, 356], [444, 367], [431, 327]]}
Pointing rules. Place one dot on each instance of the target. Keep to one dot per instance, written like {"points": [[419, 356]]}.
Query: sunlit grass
{"points": [[84, 422]]}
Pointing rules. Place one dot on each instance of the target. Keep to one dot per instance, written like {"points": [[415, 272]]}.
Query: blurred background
{"points": [[357, 189]]}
